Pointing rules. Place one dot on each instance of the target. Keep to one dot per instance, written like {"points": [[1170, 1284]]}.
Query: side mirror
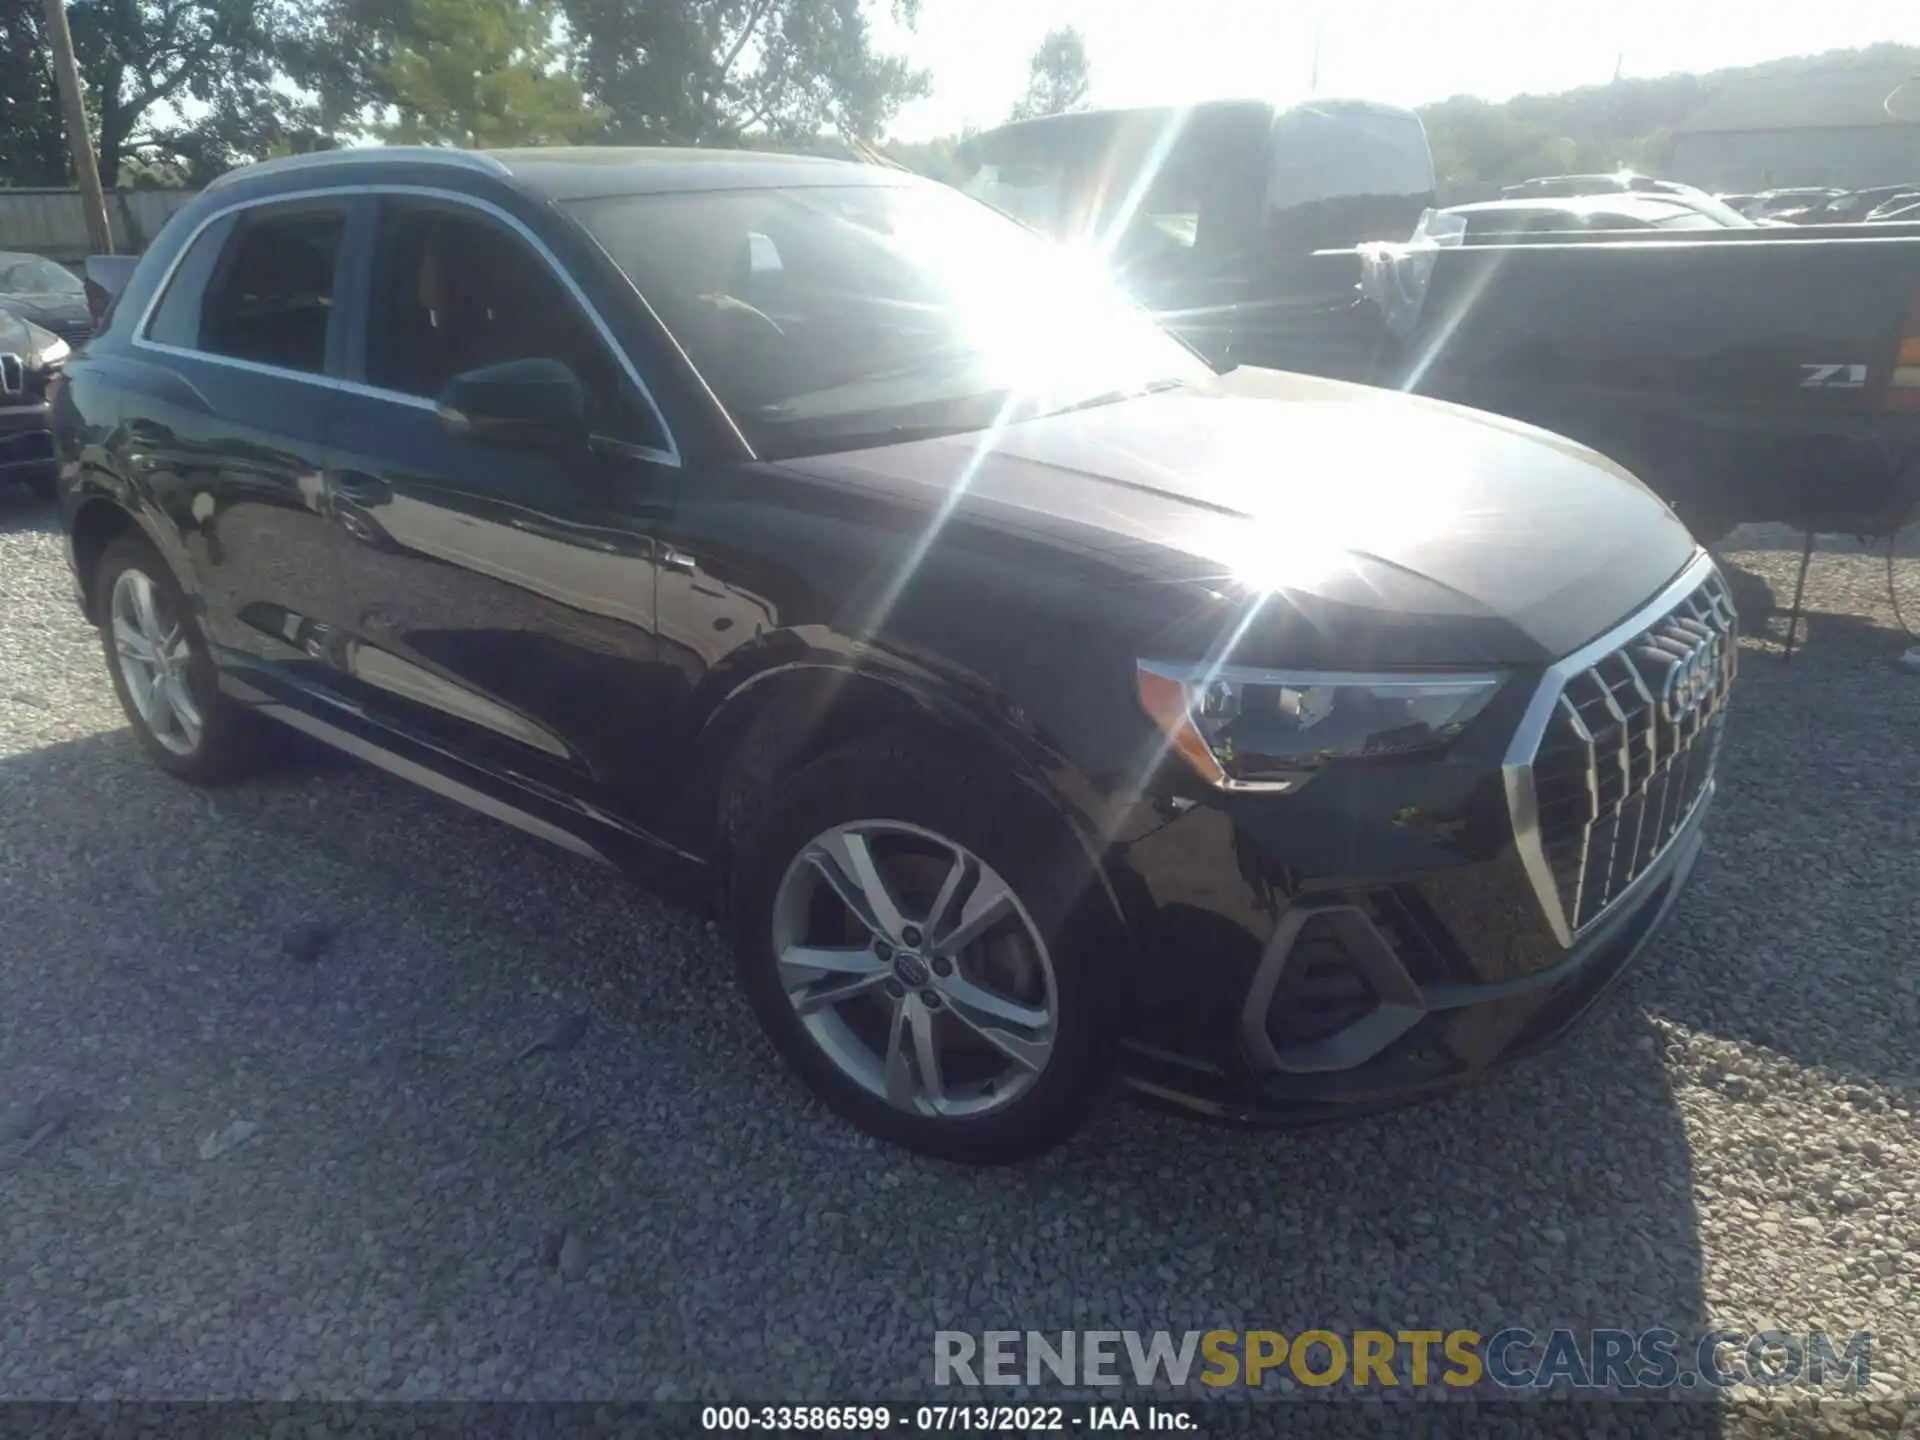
{"points": [[521, 402]]}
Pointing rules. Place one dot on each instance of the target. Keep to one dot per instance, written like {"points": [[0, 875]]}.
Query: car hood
{"points": [[1363, 525], [46, 309]]}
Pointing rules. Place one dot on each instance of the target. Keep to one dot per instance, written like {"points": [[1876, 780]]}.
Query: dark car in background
{"points": [[1793, 205], [47, 294], [1031, 697], [1902, 207], [30, 358], [1852, 206], [1618, 182], [1578, 214]]}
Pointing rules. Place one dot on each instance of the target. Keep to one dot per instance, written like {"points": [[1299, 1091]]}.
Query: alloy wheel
{"points": [[915, 968], [151, 648]]}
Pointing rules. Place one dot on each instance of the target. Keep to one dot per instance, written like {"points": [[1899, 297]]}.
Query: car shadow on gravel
{"points": [[1799, 931], [21, 511], [657, 1210]]}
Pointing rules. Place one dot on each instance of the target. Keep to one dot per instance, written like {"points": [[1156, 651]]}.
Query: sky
{"points": [[1407, 52]]}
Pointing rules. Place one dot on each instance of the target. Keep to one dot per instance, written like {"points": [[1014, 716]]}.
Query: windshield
{"points": [[1692, 220], [1716, 210], [839, 316], [34, 276]]}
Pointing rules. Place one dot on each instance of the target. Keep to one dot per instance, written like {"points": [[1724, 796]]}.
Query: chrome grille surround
{"points": [[1617, 749]]}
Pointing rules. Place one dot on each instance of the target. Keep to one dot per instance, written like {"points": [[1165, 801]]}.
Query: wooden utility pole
{"points": [[86, 170]]}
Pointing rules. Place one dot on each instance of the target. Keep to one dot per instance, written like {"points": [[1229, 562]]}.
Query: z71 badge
{"points": [[1833, 377]]}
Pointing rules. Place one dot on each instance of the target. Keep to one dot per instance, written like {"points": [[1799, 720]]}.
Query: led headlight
{"points": [[1271, 729], [53, 350]]}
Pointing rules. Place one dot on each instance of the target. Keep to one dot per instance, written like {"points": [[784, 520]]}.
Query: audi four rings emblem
{"points": [[13, 375], [1690, 680]]}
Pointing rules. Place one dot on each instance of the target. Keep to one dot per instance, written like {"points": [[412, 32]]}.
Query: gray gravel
{"points": [[655, 1210]]}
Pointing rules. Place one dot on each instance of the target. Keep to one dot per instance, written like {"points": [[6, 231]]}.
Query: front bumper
{"points": [[26, 442], [1392, 929], [1433, 1035]]}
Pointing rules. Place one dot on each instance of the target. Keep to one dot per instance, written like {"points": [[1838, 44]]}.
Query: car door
{"points": [[502, 594], [224, 426]]}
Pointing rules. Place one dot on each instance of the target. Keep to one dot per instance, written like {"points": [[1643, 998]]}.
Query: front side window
{"points": [[454, 290], [270, 297], [894, 310]]}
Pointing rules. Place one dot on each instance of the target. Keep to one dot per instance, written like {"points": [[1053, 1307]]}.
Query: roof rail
{"points": [[374, 154]]}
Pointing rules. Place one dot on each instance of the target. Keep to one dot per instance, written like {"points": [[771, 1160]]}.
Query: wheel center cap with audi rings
{"points": [[910, 970]]}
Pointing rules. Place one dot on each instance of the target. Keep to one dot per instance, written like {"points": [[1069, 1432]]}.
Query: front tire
{"points": [[920, 942], [162, 671]]}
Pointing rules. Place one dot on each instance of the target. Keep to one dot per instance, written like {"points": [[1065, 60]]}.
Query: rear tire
{"points": [[991, 1049], [164, 674]]}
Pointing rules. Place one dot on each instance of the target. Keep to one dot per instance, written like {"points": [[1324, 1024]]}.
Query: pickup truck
{"points": [[1742, 374]]}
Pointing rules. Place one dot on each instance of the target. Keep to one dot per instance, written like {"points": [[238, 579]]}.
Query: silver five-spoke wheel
{"points": [[151, 649], [915, 968]]}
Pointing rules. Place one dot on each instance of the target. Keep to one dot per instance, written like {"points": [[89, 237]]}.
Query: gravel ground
{"points": [[658, 1212]]}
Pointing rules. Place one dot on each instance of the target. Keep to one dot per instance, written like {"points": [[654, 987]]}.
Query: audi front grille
{"points": [[1618, 749]]}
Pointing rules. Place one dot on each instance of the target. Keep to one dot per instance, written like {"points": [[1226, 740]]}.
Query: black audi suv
{"points": [[1041, 708]]}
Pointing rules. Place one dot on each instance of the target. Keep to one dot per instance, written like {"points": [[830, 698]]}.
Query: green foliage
{"points": [[32, 140], [143, 64], [719, 71], [932, 158], [479, 73], [1057, 76], [1628, 123]]}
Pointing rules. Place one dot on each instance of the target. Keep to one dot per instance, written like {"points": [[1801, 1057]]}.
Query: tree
{"points": [[695, 71], [33, 147], [1057, 76], [481, 72], [147, 66], [1599, 127], [937, 159]]}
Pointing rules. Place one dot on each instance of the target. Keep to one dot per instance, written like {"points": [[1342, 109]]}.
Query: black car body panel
{"points": [[1740, 375], [595, 640], [1754, 374]]}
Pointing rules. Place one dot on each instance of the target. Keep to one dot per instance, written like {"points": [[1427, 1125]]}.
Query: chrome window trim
{"points": [[1517, 768], [139, 340], [706, 389]]}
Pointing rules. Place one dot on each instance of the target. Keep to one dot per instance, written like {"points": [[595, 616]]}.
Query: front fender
{"points": [[795, 694]]}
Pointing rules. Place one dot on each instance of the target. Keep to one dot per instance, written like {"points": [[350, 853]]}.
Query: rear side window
{"points": [[259, 288]]}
